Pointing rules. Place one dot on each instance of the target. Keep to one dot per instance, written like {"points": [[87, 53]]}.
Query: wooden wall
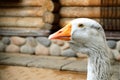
{"points": [[37, 15], [27, 15], [105, 11]]}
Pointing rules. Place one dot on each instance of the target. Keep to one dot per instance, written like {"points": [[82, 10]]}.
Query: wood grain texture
{"points": [[21, 22], [89, 3], [74, 12], [64, 21], [48, 4], [90, 12], [23, 32], [23, 11], [22, 3], [48, 17]]}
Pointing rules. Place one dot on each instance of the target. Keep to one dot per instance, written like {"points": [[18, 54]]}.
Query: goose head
{"points": [[82, 33], [87, 36]]}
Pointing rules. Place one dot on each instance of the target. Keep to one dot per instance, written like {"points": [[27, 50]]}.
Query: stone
{"points": [[12, 48], [79, 65], [3, 56], [116, 67], [60, 42], [111, 44], [41, 50], [71, 58], [80, 55], [68, 53], [17, 60], [2, 46], [52, 57], [116, 54], [6, 40], [49, 63], [55, 50], [116, 71], [54, 41], [17, 40], [65, 46], [115, 76], [118, 46], [31, 41], [118, 57], [44, 41], [27, 49]]}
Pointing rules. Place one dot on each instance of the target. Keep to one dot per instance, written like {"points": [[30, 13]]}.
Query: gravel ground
{"points": [[30, 73]]}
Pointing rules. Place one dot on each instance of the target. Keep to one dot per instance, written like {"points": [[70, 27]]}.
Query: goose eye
{"points": [[80, 25]]}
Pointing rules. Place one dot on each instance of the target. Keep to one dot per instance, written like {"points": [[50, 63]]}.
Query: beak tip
{"points": [[50, 37]]}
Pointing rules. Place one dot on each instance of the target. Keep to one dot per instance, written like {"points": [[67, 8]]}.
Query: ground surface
{"points": [[30, 73], [29, 67]]}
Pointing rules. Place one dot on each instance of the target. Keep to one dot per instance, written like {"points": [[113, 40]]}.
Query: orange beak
{"points": [[62, 34]]}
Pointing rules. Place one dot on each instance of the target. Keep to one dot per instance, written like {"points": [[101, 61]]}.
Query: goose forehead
{"points": [[84, 21]]}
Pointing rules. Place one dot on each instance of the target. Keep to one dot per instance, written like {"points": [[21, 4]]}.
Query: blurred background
{"points": [[42, 17], [24, 29]]}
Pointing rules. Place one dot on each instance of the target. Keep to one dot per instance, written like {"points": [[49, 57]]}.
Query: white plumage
{"points": [[87, 36]]}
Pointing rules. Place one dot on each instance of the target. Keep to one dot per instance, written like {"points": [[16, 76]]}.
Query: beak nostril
{"points": [[60, 32]]}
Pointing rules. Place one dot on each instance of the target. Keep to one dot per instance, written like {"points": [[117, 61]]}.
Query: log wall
{"points": [[27, 20], [53, 14], [88, 3], [106, 12], [23, 11], [27, 14]]}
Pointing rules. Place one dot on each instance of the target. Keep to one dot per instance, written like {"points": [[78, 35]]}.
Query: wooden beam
{"points": [[90, 12], [115, 35], [22, 22], [64, 21], [88, 3], [10, 32], [22, 3], [23, 11]]}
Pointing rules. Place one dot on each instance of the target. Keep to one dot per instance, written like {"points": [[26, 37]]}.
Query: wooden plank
{"points": [[75, 12], [110, 12], [48, 4], [47, 26], [108, 24], [89, 3], [23, 11], [64, 21], [111, 24], [90, 12], [21, 22], [10, 32], [80, 2], [20, 28], [22, 3], [115, 35], [48, 17]]}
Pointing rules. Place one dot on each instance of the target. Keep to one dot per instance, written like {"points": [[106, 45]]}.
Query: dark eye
{"points": [[98, 28], [80, 25]]}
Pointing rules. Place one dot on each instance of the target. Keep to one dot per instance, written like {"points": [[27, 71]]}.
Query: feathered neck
{"points": [[99, 65], [98, 60]]}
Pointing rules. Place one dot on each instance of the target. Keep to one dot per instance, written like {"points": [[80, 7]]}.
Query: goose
{"points": [[87, 36]]}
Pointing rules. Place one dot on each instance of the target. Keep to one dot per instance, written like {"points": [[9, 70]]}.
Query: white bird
{"points": [[87, 36]]}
